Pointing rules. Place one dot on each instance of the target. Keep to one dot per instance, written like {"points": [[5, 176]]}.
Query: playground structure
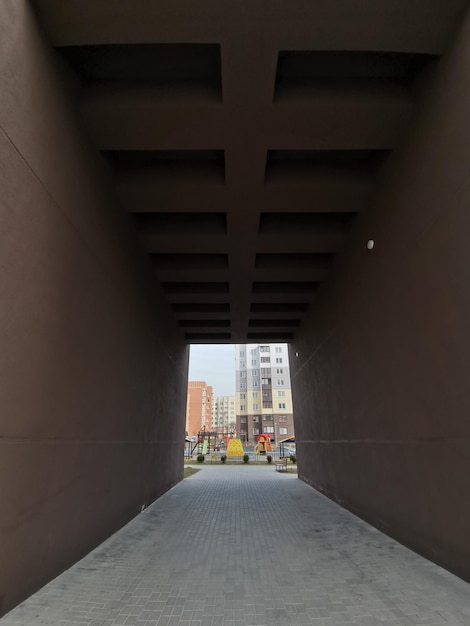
{"points": [[287, 448], [206, 442], [263, 445], [235, 448], [211, 442]]}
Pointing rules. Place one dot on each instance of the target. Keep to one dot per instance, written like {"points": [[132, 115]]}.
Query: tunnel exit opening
{"points": [[242, 393]]}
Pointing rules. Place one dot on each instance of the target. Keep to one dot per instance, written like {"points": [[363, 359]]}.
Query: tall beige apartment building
{"points": [[263, 392], [199, 407]]}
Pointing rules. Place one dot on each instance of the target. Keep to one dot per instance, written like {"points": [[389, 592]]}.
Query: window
{"points": [[279, 360], [278, 350], [282, 418], [264, 348], [242, 420], [265, 359], [269, 429], [266, 381], [254, 362], [255, 383], [267, 418], [242, 353], [256, 418], [242, 407], [256, 407], [243, 396], [282, 405], [280, 371], [242, 385], [283, 431], [280, 383], [242, 364], [281, 394], [242, 374], [255, 431], [255, 395], [254, 372]]}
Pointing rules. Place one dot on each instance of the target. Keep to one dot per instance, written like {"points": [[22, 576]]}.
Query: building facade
{"points": [[224, 414], [199, 407], [263, 392]]}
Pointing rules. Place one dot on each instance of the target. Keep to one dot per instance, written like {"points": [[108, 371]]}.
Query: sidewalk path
{"points": [[247, 546]]}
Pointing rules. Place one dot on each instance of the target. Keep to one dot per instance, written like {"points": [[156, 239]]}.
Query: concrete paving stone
{"points": [[229, 615], [209, 611], [238, 613], [186, 615], [177, 610], [275, 621], [246, 546], [166, 611]]}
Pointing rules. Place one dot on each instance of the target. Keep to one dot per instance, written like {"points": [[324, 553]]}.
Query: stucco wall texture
{"points": [[92, 369], [380, 369]]}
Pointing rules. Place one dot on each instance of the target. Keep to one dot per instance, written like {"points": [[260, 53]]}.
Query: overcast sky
{"points": [[215, 365]]}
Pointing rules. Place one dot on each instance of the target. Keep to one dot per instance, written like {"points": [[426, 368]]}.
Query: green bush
{"points": [[269, 458], [223, 458], [293, 458], [246, 458], [200, 458]]}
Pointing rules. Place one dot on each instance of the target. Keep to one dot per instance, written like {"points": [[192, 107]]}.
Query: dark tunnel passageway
{"points": [[175, 174]]}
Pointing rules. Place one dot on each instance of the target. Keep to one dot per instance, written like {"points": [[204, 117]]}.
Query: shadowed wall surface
{"points": [[380, 383], [93, 373]]}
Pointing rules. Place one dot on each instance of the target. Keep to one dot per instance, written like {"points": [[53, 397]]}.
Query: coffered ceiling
{"points": [[246, 136]]}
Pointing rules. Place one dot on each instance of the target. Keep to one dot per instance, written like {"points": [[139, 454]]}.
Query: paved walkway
{"points": [[247, 546]]}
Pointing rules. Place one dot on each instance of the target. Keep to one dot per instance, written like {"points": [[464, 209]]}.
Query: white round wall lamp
{"points": [[370, 244]]}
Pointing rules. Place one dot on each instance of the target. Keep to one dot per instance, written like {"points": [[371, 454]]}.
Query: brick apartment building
{"points": [[199, 407]]}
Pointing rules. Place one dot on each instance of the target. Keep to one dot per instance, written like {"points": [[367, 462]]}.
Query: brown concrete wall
{"points": [[380, 383], [92, 371]]}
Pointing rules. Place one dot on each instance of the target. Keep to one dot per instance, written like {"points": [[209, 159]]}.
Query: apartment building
{"points": [[199, 407], [263, 392], [224, 414]]}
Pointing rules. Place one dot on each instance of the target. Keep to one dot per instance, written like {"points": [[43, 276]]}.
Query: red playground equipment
{"points": [[264, 444]]}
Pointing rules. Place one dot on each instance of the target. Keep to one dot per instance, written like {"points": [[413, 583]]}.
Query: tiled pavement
{"points": [[242, 546]]}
